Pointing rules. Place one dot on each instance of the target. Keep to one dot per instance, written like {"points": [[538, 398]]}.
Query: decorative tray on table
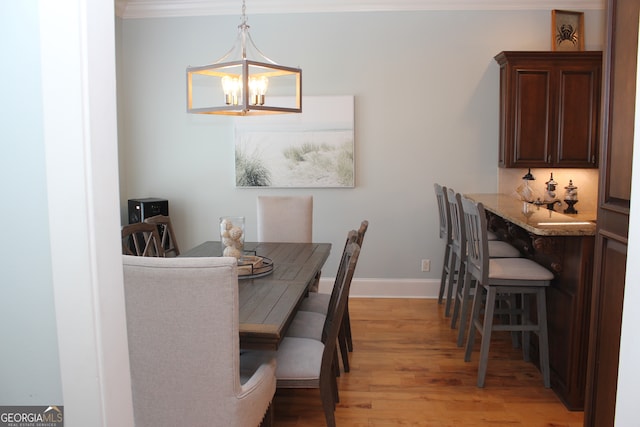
{"points": [[253, 266]]}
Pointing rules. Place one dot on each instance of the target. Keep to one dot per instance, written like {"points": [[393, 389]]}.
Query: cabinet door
{"points": [[530, 142], [578, 107]]}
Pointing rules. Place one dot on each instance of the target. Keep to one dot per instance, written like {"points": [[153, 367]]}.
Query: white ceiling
{"points": [[175, 8]]}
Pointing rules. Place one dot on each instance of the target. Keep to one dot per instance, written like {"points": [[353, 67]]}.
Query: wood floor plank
{"points": [[406, 370]]}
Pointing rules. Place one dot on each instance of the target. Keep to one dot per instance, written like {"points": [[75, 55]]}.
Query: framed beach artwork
{"points": [[314, 149]]}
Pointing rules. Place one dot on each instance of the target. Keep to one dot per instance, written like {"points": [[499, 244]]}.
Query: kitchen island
{"points": [[564, 244]]}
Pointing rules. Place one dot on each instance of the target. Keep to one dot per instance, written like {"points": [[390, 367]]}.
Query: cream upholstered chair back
{"points": [[285, 219], [182, 324]]}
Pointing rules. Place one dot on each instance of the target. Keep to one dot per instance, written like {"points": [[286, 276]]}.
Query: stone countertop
{"points": [[537, 219]]}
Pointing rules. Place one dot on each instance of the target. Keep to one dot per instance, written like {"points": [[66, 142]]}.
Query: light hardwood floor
{"points": [[407, 371]]}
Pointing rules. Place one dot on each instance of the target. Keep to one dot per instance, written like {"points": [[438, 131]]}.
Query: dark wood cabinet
{"points": [[549, 109], [614, 200]]}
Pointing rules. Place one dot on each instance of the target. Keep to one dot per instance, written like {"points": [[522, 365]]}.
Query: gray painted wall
{"points": [[426, 110]]}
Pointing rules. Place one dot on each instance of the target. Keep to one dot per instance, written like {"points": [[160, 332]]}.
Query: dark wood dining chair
{"points": [[308, 321], [310, 363], [346, 324], [167, 236], [311, 316], [141, 239]]}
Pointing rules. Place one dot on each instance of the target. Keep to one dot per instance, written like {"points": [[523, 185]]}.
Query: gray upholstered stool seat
{"points": [[520, 269], [501, 249]]}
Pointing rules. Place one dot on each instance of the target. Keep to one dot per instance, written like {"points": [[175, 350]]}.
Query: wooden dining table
{"points": [[268, 303]]}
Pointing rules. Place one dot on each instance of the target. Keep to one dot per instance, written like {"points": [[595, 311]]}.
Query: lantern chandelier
{"points": [[244, 82]]}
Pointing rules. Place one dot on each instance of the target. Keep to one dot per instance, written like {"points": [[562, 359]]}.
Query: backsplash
{"points": [[585, 179]]}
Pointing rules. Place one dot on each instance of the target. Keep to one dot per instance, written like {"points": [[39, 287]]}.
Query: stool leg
{"points": [[543, 337], [475, 315], [512, 303], [464, 309], [526, 320], [445, 272], [451, 279], [459, 286], [487, 326]]}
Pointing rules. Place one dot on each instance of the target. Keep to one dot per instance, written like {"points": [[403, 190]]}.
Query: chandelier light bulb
{"points": [[258, 89], [231, 87]]}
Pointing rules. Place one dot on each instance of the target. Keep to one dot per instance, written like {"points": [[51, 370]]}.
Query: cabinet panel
{"points": [[600, 401], [578, 117], [549, 112], [532, 114]]}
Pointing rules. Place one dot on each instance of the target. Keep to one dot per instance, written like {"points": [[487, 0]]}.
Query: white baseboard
{"points": [[387, 288]]}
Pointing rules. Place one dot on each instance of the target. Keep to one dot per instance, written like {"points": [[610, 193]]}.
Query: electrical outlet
{"points": [[426, 265]]}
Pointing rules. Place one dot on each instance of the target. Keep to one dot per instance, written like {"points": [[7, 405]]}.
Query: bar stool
{"points": [[503, 276], [497, 249], [445, 234]]}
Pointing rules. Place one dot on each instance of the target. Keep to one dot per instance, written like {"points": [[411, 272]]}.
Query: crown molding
{"points": [[131, 9]]}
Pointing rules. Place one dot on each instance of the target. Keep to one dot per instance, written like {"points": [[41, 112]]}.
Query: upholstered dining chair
{"points": [[186, 367], [310, 323], [310, 317], [364, 226], [503, 276], [285, 219], [167, 236], [141, 239], [310, 363]]}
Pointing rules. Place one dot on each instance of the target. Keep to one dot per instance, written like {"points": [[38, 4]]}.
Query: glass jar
{"points": [[232, 236]]}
